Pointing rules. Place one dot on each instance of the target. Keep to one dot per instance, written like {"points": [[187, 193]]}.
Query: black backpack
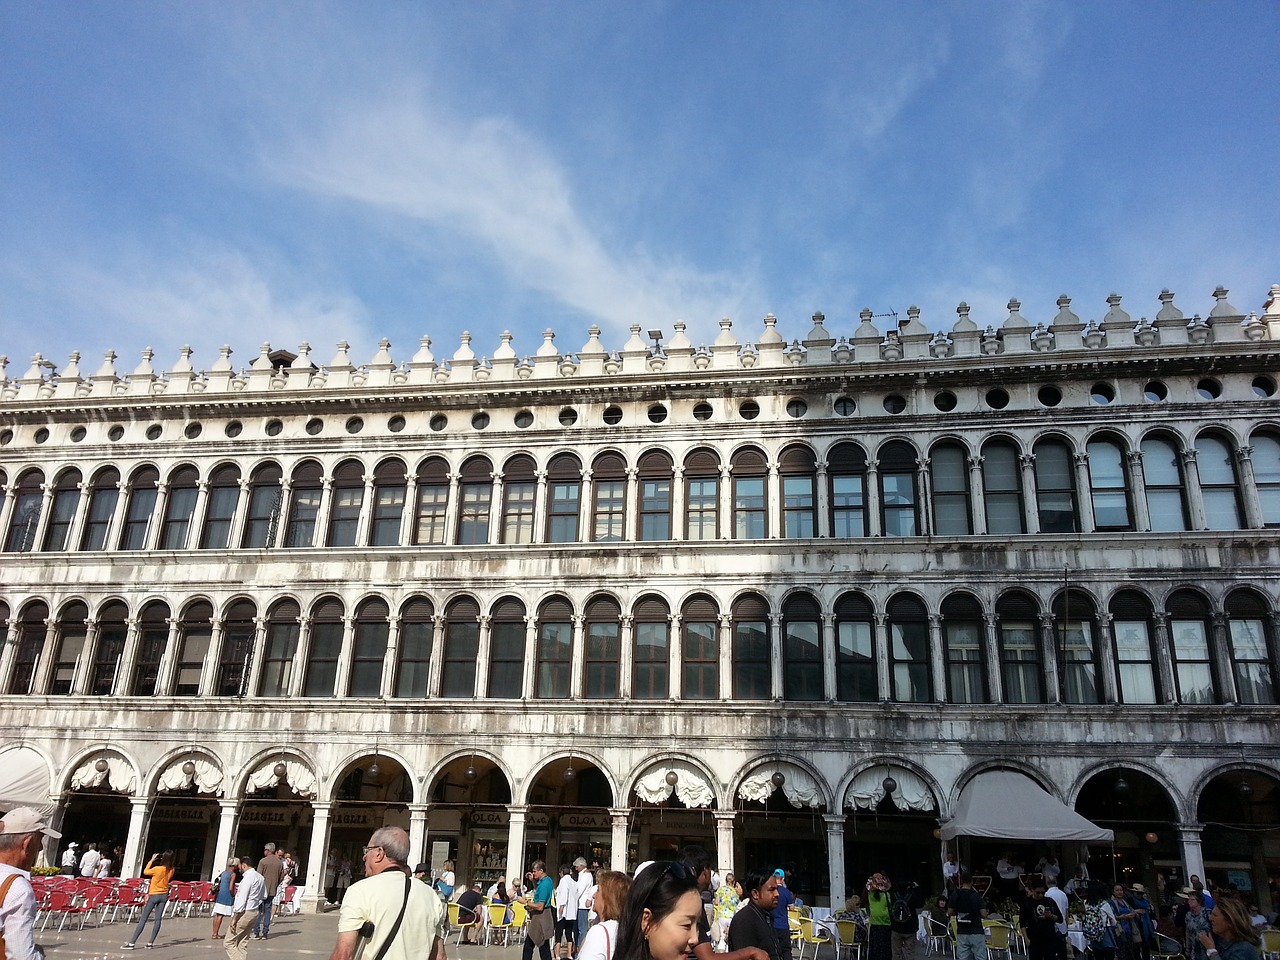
{"points": [[900, 912]]}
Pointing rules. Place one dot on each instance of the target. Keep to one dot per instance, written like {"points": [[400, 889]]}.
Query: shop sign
{"points": [[352, 818], [273, 816], [181, 812], [537, 820], [489, 818], [585, 821]]}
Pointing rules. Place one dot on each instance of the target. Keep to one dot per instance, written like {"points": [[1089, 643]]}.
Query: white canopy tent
{"points": [[24, 781], [1010, 806]]}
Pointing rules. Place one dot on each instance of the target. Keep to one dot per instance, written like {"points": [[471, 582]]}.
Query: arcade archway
{"points": [[186, 815], [891, 823], [568, 817], [780, 808], [1138, 808], [470, 819], [671, 804], [373, 791], [1240, 810]]}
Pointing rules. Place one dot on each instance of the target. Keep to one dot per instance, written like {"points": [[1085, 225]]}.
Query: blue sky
{"points": [[211, 173]]}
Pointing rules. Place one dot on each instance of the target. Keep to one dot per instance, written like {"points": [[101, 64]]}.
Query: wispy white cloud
{"points": [[487, 183]]}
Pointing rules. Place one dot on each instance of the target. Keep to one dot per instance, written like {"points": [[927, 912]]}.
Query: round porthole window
{"points": [[524, 419], [997, 398], [233, 428], [1155, 391], [314, 426], [1264, 387], [844, 406], [192, 430], [895, 403], [1102, 393], [613, 416], [78, 434], [274, 428], [1049, 395], [6, 437], [1209, 389], [396, 424], [42, 435], [154, 431], [945, 401], [748, 410], [657, 413], [797, 408], [114, 434], [702, 411], [355, 424], [439, 422], [479, 421], [568, 417]]}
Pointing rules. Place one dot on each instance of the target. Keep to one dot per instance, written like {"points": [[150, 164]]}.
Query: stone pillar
{"points": [[418, 814], [169, 659], [725, 632], [156, 523], [1138, 491], [43, 672], [1192, 854], [409, 515], [1162, 654], [1220, 651], [257, 656], [1049, 656], [298, 679], [828, 646], [679, 503], [435, 669], [775, 657], [578, 657], [76, 532], [773, 502], [529, 685], [195, 528], [365, 518], [835, 859], [117, 516], [620, 822], [47, 490], [222, 848], [880, 646], [991, 656], [342, 682], [317, 857], [515, 841], [1195, 499], [924, 484], [1084, 493], [1106, 654], [1031, 515], [388, 689], [495, 510], [320, 536], [235, 537], [483, 655], [540, 516], [675, 656], [1249, 488], [7, 506], [586, 507], [937, 660], [976, 496], [726, 821], [122, 685], [823, 499], [209, 672], [726, 504], [871, 499], [626, 655], [84, 663], [631, 506], [132, 864]]}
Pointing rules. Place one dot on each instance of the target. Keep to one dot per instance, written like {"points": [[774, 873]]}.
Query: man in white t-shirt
{"points": [[586, 885], [388, 892], [89, 862]]}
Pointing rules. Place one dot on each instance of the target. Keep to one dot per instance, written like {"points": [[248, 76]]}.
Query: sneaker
{"points": [[128, 946], [150, 945]]}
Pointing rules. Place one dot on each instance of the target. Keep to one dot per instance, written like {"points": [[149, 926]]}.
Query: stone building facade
{"points": [[786, 599]]}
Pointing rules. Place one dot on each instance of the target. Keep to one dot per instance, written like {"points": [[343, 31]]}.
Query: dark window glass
{"points": [[72, 633], [325, 648], [651, 652], [856, 680], [909, 666], [195, 634], [950, 469], [369, 650], [102, 507], [1055, 488], [31, 634], [142, 505], [461, 650], [700, 650], [179, 508], [603, 651], [281, 654], [802, 651], [1002, 488], [413, 666], [1162, 473], [1109, 486], [237, 651], [153, 638], [555, 651], [506, 650], [113, 631], [266, 499]]}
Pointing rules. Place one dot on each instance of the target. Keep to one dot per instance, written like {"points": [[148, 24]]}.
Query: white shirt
{"points": [[89, 863], [1060, 899], [251, 892], [18, 916], [601, 942], [104, 868], [567, 898], [378, 899], [586, 888], [1007, 870], [69, 858]]}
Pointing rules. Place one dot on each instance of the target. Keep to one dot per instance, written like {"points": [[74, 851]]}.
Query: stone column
{"points": [[7, 506], [529, 685], [320, 536], [342, 682], [937, 660], [365, 518], [1031, 515], [726, 504], [631, 506], [483, 655], [122, 685], [1049, 655], [924, 484], [388, 688], [78, 520], [880, 645], [976, 495], [773, 502], [195, 527], [156, 523], [725, 632], [540, 516], [495, 509], [84, 663], [620, 822], [586, 507], [1162, 653], [408, 516], [212, 658], [435, 669], [223, 847], [828, 643], [823, 499], [679, 504], [42, 674], [1192, 854], [117, 516], [726, 822], [991, 655], [1106, 653], [298, 679], [578, 657], [235, 537], [1249, 489], [626, 656], [132, 864], [10, 649], [871, 499], [1138, 490], [418, 814], [775, 657], [1084, 493], [835, 859], [257, 657], [47, 491], [515, 841], [675, 653], [1195, 499], [317, 857], [1220, 651]]}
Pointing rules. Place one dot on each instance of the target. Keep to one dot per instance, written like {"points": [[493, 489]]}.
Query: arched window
{"points": [[266, 498], [1218, 483], [856, 671], [461, 648], [1055, 488], [910, 672], [237, 649], [283, 627], [1189, 633], [433, 501], [32, 629], [153, 639], [1021, 668], [1162, 476], [700, 648], [142, 505], [71, 633], [752, 658], [304, 507], [962, 647], [1002, 488], [28, 499], [797, 471], [180, 507], [1135, 666], [898, 496], [604, 649], [702, 495], [1075, 629], [220, 510], [103, 498], [564, 491], [113, 631], [388, 503], [802, 649], [346, 499], [846, 475], [1251, 645], [475, 490], [413, 662], [506, 649], [195, 634], [369, 648], [655, 472], [555, 650], [324, 650], [609, 508], [1109, 485], [1266, 476], [651, 646], [750, 505], [62, 513], [949, 468], [520, 495]]}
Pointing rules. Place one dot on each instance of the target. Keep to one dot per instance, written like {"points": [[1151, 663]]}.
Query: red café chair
{"points": [[61, 902], [95, 898], [131, 899], [177, 896]]}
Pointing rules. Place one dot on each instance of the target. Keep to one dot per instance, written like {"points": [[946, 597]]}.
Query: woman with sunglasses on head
{"points": [[1234, 936], [660, 917]]}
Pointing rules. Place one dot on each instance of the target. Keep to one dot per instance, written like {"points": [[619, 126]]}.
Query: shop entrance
{"points": [[189, 827]]}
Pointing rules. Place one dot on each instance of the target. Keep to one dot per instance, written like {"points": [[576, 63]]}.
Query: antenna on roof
{"points": [[892, 313]]}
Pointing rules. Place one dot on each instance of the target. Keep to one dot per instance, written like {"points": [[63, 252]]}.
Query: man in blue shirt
{"points": [[541, 927], [781, 922]]}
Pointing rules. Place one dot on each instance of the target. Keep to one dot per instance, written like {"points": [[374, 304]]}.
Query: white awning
{"points": [[1010, 806], [24, 781], [911, 793]]}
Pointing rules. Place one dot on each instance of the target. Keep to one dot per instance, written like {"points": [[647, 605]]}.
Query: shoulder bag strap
{"points": [[607, 946], [395, 927]]}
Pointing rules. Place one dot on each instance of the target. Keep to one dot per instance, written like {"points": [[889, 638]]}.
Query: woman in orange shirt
{"points": [[159, 872]]}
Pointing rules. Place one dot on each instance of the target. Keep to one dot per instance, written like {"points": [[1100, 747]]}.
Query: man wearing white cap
{"points": [[22, 833], [71, 860]]}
